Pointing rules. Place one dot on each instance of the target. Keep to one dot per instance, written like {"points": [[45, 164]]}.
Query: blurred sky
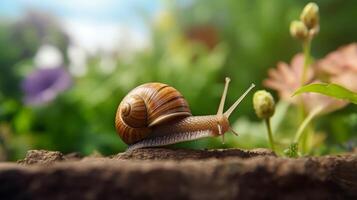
{"points": [[93, 24]]}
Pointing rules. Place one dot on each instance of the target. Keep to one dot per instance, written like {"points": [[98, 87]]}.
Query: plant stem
{"points": [[303, 114], [270, 134], [306, 121], [306, 48]]}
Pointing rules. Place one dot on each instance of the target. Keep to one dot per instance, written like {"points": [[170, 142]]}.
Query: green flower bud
{"points": [[263, 103], [314, 31], [298, 30], [310, 15]]}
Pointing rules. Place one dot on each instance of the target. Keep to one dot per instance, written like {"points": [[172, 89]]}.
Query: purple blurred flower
{"points": [[43, 85]]}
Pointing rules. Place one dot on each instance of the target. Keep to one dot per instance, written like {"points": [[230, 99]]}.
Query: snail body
{"points": [[156, 114]]}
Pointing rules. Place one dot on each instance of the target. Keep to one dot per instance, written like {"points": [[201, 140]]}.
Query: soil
{"points": [[159, 173]]}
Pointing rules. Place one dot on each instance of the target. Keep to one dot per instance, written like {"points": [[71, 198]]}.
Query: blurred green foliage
{"points": [[194, 46]]}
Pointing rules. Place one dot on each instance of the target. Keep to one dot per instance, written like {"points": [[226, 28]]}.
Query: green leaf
{"points": [[331, 89]]}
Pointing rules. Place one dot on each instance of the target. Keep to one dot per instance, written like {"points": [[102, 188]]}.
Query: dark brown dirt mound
{"points": [[184, 154], [179, 174], [47, 157]]}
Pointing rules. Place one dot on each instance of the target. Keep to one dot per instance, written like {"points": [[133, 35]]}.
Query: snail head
{"points": [[225, 115]]}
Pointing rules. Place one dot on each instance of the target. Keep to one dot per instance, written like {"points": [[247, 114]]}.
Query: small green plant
{"points": [[304, 75], [305, 30], [292, 150], [328, 89], [264, 107]]}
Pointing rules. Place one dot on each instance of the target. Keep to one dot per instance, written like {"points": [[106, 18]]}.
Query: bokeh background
{"points": [[66, 64]]}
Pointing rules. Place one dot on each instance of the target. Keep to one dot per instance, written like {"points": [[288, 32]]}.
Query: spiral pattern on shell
{"points": [[147, 106]]}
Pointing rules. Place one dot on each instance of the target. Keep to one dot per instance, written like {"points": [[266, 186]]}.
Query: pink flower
{"points": [[340, 67], [286, 79], [314, 100]]}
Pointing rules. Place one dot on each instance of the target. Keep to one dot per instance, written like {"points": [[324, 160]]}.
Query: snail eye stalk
{"points": [[234, 106], [223, 98]]}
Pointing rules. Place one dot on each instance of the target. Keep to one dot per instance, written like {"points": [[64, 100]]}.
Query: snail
{"points": [[156, 114]]}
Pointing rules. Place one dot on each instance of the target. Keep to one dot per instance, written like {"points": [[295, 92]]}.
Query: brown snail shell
{"points": [[147, 106]]}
